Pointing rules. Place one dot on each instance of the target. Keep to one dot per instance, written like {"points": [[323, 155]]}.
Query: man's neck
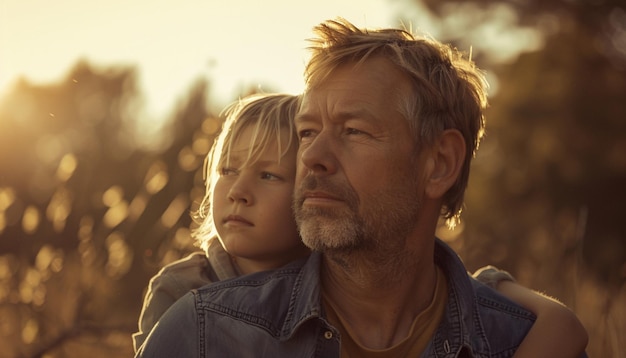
{"points": [[379, 297]]}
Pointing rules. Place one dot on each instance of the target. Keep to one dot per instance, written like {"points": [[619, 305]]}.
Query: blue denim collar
{"points": [[461, 320], [461, 330], [461, 325], [305, 300]]}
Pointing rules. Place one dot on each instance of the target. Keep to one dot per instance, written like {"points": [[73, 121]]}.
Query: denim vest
{"points": [[278, 314]]}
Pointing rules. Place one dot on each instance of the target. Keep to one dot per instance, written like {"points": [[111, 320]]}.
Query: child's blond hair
{"points": [[268, 115]]}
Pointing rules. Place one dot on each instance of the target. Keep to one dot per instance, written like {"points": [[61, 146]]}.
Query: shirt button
{"points": [[446, 346], [328, 334]]}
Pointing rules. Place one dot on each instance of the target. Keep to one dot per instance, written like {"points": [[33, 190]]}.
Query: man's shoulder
{"points": [[504, 322], [477, 316], [468, 291], [248, 284], [270, 299], [490, 302]]}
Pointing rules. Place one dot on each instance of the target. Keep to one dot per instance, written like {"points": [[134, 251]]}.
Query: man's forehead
{"points": [[357, 86], [336, 95], [345, 106]]}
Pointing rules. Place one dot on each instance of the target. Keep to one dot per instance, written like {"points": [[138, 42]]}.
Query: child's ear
{"points": [[447, 160]]}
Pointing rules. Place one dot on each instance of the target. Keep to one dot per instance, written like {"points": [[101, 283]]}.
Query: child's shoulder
{"points": [[191, 261], [194, 267]]}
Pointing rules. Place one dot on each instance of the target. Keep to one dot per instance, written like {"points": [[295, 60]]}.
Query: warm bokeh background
{"points": [[89, 212]]}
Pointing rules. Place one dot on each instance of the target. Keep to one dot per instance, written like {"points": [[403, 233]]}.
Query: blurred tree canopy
{"points": [[88, 215], [554, 157], [548, 185]]}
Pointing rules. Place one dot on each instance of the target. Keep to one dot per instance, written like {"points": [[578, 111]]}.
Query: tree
{"points": [[87, 216], [548, 182]]}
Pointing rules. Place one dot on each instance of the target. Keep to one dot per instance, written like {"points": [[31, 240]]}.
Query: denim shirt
{"points": [[279, 314]]}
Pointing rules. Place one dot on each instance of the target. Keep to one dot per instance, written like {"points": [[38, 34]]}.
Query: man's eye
{"points": [[305, 133], [354, 131]]}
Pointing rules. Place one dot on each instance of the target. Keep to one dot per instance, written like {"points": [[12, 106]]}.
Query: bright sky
{"points": [[233, 43]]}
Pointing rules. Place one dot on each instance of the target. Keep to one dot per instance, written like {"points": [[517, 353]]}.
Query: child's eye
{"points": [[269, 176], [228, 171]]}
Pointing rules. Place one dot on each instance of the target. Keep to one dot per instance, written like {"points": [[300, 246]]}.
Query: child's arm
{"points": [[557, 332]]}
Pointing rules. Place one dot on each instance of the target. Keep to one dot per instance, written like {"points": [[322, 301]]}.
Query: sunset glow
{"points": [[234, 44]]}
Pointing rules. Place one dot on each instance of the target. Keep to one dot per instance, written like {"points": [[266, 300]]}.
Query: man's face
{"points": [[358, 174]]}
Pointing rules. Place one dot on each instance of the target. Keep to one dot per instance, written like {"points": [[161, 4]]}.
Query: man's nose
{"points": [[319, 155]]}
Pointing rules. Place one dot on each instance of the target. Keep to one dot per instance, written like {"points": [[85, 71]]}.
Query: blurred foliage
{"points": [[548, 185], [88, 215], [478, 23]]}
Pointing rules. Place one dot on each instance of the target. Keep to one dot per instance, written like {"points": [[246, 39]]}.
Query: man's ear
{"points": [[447, 158]]}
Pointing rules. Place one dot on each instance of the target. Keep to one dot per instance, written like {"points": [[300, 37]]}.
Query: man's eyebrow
{"points": [[343, 115], [303, 117], [360, 113]]}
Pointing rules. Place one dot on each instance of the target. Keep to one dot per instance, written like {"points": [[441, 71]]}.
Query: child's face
{"points": [[252, 207]]}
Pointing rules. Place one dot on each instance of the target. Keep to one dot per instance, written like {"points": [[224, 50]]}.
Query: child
{"points": [[250, 179]]}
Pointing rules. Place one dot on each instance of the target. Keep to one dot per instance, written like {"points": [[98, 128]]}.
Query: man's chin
{"points": [[323, 234]]}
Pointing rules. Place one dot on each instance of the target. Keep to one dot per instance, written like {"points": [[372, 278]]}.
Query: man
{"points": [[387, 129]]}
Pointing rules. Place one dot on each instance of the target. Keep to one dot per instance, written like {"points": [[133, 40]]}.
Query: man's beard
{"points": [[383, 226], [324, 228]]}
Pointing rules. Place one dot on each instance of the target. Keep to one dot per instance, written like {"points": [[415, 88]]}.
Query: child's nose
{"points": [[240, 192]]}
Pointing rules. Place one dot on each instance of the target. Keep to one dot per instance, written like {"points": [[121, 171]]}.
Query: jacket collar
{"points": [[305, 302], [461, 327]]}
